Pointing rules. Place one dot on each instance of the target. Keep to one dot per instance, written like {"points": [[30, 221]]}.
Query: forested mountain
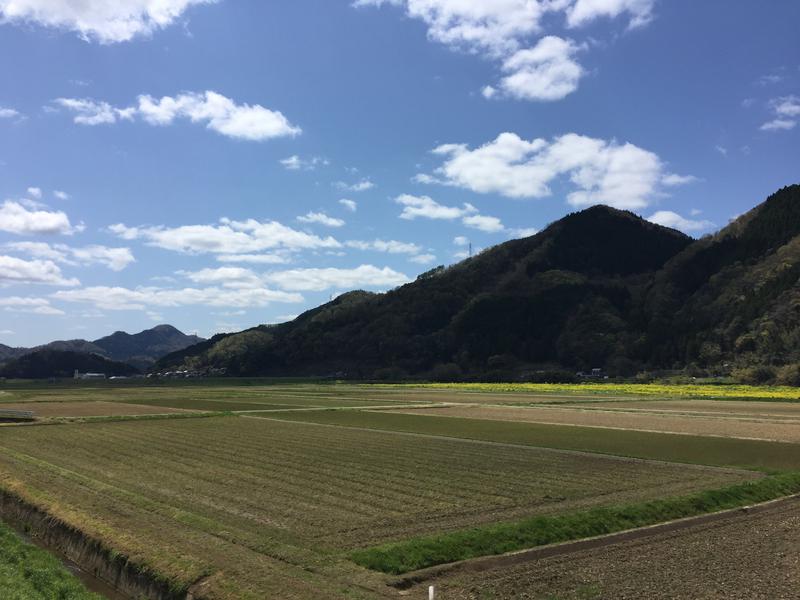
{"points": [[61, 363], [598, 288], [140, 349]]}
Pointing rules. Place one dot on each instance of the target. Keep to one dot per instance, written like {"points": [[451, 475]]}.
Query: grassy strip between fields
{"points": [[28, 573], [418, 553]]}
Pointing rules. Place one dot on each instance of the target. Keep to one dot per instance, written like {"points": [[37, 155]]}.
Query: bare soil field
{"points": [[753, 557], [720, 424], [269, 509], [89, 409]]}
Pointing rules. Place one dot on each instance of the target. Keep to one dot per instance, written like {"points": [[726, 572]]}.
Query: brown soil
{"points": [[751, 557], [786, 430], [89, 409]]}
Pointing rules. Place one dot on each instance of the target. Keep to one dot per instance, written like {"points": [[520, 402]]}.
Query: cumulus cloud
{"points": [[115, 259], [599, 171], [545, 72], [317, 280], [217, 112], [8, 113], [390, 246], [231, 277], [483, 223], [35, 192], [98, 20], [295, 163], [423, 259], [667, 218], [140, 298], [227, 238], [501, 29], [582, 12], [15, 270], [786, 111], [91, 112], [320, 218], [349, 204], [259, 259], [522, 232], [427, 208], [61, 195], [18, 219], [36, 306], [359, 186]]}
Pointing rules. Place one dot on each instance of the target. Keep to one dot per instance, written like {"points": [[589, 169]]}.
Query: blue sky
{"points": [[216, 165]]}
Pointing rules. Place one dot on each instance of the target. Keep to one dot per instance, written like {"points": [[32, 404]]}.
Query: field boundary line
{"points": [[485, 563], [620, 457], [667, 432]]}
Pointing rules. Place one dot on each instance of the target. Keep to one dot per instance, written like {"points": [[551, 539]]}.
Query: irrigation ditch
{"points": [[100, 569]]}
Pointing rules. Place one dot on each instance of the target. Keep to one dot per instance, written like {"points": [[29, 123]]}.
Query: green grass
{"points": [[716, 451], [422, 552], [28, 573]]}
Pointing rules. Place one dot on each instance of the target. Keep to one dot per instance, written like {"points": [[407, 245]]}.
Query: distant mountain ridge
{"points": [[598, 288], [140, 349]]}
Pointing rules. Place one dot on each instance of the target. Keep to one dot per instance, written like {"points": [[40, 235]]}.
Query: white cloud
{"points": [[787, 106], [37, 306], [231, 277], [259, 259], [583, 12], [8, 113], [295, 163], [390, 246], [426, 207], [522, 232], [16, 218], [115, 259], [320, 218], [499, 29], [18, 271], [545, 72], [359, 186], [786, 111], [672, 179], [140, 298], [423, 259], [460, 240], [227, 238], [98, 20], [61, 195], [219, 113], [778, 125], [91, 112], [350, 205], [600, 171], [483, 223], [35, 192], [721, 149], [317, 280], [667, 218]]}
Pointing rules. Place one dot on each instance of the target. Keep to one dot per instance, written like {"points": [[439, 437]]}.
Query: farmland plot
{"points": [[742, 425], [259, 508]]}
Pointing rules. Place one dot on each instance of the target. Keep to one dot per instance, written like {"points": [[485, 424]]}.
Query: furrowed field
{"points": [[298, 490]]}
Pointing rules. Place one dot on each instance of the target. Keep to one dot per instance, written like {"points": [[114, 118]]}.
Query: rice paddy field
{"points": [[254, 489]]}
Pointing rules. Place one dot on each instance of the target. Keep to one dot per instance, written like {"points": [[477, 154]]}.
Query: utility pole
{"points": [[470, 249]]}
